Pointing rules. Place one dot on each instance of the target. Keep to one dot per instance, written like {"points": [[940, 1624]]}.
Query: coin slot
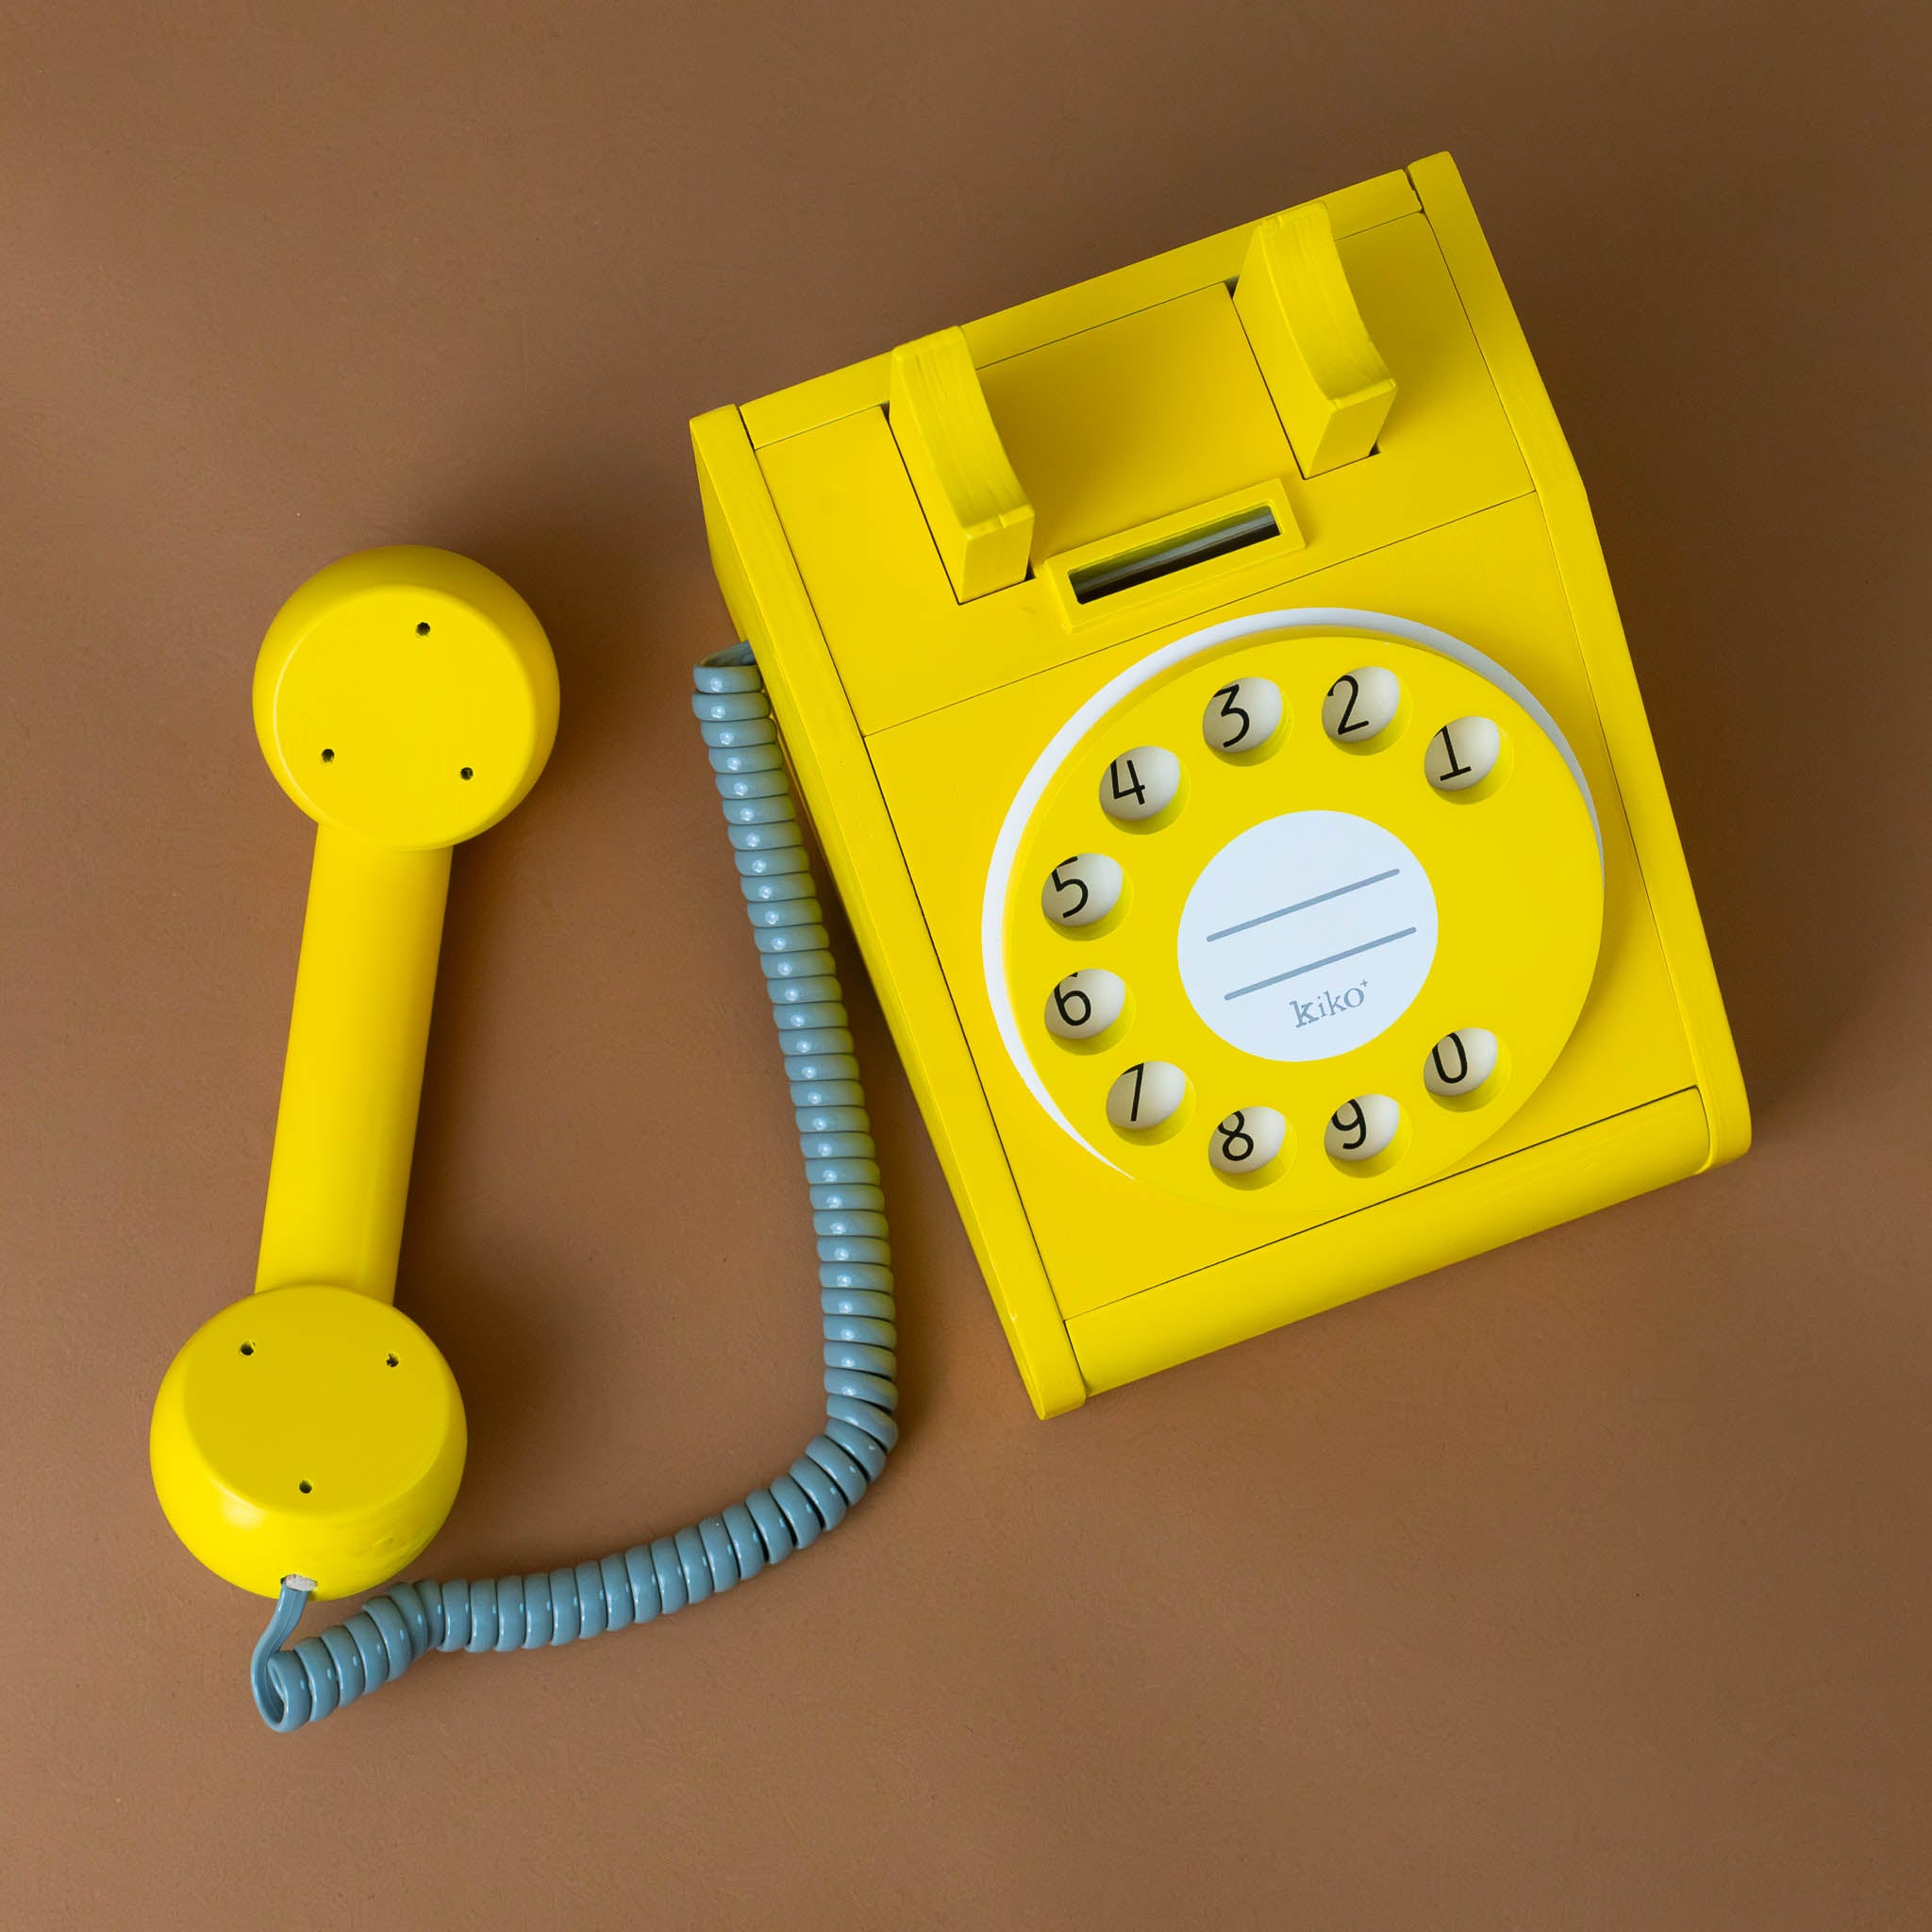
{"points": [[1220, 538]]}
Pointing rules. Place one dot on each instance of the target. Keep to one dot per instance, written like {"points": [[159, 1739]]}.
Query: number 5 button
{"points": [[1082, 890]]}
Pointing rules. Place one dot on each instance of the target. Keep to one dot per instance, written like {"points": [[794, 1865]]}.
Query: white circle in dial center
{"points": [[1308, 935]]}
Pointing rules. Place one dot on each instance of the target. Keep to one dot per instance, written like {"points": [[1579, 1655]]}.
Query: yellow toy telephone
{"points": [[1205, 687]]}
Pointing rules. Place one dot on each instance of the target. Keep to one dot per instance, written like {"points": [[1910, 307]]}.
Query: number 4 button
{"points": [[1140, 783]]}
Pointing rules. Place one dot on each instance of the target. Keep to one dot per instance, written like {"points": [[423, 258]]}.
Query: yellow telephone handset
{"points": [[308, 1441], [406, 699]]}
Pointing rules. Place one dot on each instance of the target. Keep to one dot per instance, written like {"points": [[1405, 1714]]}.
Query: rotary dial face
{"points": [[1303, 908]]}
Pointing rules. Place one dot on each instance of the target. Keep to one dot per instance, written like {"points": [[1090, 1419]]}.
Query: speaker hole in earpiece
{"points": [[328, 758], [421, 630], [466, 772], [248, 1348], [306, 1486]]}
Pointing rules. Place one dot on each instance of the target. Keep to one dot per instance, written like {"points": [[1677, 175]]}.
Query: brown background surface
{"points": [[1581, 1586]]}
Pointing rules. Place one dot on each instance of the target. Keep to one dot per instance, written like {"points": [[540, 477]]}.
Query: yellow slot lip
{"points": [[1065, 571]]}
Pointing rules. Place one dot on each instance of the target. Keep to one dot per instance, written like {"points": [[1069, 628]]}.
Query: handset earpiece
{"points": [[406, 699]]}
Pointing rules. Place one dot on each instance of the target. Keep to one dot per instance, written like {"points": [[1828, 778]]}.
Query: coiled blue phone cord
{"points": [[322, 1674]]}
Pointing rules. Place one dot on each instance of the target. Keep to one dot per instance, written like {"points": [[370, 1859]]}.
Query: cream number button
{"points": [[1082, 890], [1463, 754], [1141, 784], [1363, 1127], [1246, 1141], [1145, 1096], [1243, 716], [1459, 1062], [1360, 704], [1086, 1004]]}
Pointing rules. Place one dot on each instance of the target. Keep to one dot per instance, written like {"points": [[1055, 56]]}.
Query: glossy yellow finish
{"points": [[405, 694], [1134, 409], [311, 1432], [357, 1032], [1327, 379], [978, 514], [406, 699]]}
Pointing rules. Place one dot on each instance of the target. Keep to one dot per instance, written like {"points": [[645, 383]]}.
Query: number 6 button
{"points": [[1085, 1005]]}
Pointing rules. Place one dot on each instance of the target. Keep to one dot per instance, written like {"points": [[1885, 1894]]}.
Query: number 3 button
{"points": [[1243, 716]]}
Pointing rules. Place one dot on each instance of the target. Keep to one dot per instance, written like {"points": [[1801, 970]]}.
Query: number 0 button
{"points": [[1085, 1005], [1146, 1095], [1140, 783], [1459, 1062], [1082, 890]]}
